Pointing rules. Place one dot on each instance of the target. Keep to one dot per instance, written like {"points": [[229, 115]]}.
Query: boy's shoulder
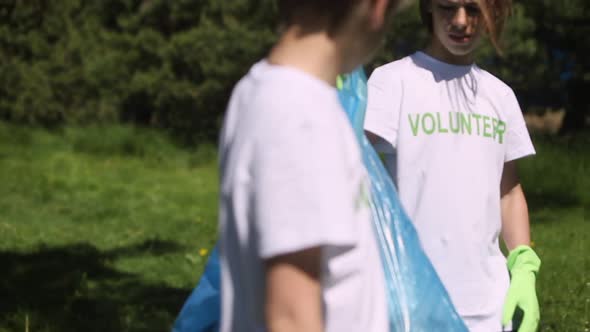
{"points": [[493, 82], [398, 67], [280, 96], [392, 73], [275, 86]]}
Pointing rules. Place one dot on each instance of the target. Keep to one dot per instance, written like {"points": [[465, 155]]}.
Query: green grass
{"points": [[101, 228], [557, 185]]}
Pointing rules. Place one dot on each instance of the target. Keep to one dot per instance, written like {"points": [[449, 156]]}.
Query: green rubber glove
{"points": [[523, 265]]}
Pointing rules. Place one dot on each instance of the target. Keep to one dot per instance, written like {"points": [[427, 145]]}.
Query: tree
{"points": [[172, 64]]}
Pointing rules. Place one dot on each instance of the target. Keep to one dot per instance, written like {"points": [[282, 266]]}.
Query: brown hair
{"points": [[495, 13]]}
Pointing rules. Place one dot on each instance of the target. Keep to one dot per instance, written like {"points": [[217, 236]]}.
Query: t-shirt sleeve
{"points": [[302, 190], [518, 140], [383, 107]]}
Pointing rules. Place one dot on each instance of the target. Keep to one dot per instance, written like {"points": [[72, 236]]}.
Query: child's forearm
{"points": [[293, 292], [515, 215], [515, 219]]}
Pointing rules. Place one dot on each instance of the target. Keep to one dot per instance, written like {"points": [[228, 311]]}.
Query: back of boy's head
{"points": [[331, 12], [494, 12]]}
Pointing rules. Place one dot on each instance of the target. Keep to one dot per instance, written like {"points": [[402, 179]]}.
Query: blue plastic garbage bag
{"points": [[202, 310], [417, 301]]}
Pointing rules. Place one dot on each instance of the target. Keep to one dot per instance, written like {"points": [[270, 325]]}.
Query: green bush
{"points": [[157, 63], [172, 64]]}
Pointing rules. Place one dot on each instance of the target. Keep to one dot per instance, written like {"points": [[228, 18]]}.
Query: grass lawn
{"points": [[557, 185], [100, 229], [106, 229]]}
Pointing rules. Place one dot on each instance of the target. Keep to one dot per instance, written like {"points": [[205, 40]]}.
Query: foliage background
{"points": [[172, 64], [108, 174]]}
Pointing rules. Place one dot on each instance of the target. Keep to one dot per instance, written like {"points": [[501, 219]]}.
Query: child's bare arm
{"points": [[515, 215], [293, 292]]}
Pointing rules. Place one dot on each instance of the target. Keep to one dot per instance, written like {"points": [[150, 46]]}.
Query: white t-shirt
{"points": [[447, 131], [292, 178]]}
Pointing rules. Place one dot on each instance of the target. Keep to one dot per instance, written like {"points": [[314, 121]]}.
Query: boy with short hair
{"points": [[297, 247]]}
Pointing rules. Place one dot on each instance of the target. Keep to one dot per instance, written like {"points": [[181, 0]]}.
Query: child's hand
{"points": [[523, 264]]}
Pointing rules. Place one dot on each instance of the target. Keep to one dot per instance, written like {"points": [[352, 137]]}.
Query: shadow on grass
{"points": [[554, 199], [76, 288]]}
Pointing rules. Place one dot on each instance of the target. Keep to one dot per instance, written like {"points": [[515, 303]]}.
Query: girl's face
{"points": [[457, 27]]}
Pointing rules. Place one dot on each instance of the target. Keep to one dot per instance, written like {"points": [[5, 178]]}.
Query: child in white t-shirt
{"points": [[451, 133], [297, 249]]}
